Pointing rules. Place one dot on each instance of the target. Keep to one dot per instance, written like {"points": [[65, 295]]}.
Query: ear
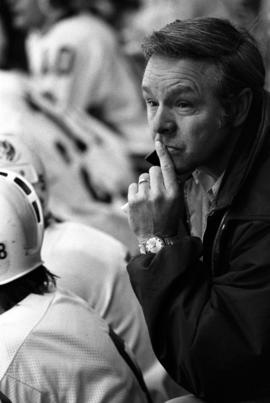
{"points": [[241, 107]]}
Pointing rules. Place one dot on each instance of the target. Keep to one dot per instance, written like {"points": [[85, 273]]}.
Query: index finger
{"points": [[167, 166]]}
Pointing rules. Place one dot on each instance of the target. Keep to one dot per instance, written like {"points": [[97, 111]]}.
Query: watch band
{"points": [[142, 248], [155, 243]]}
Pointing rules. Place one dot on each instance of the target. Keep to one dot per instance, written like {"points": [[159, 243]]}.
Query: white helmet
{"points": [[17, 156], [21, 227]]}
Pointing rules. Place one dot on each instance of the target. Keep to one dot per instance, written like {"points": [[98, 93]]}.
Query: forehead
{"points": [[167, 74]]}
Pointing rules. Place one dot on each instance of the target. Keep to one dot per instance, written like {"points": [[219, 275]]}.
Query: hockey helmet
{"points": [[21, 227]]}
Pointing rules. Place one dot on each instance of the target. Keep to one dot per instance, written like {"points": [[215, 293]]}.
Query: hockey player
{"points": [[53, 346], [88, 169], [77, 63], [91, 264]]}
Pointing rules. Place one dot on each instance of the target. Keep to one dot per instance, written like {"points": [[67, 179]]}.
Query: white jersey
{"points": [[93, 265], [78, 64], [55, 349], [83, 185], [87, 166], [73, 142]]}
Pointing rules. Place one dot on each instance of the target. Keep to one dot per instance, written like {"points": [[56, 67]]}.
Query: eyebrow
{"points": [[178, 88], [145, 88]]}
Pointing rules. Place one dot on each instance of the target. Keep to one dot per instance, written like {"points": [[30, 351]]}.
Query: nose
{"points": [[163, 123]]}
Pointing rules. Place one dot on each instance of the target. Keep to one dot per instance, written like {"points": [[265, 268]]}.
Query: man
{"points": [[76, 62], [202, 218], [54, 347]]}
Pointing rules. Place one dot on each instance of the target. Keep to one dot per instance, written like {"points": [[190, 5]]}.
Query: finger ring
{"points": [[143, 180]]}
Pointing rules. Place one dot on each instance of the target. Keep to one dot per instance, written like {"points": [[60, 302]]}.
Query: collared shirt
{"points": [[200, 194]]}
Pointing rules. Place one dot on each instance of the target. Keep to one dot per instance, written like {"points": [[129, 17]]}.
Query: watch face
{"points": [[154, 244]]}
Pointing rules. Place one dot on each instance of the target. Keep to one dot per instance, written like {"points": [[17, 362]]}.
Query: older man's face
{"points": [[185, 113]]}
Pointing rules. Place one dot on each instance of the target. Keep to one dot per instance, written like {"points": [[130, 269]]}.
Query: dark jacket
{"points": [[209, 319]]}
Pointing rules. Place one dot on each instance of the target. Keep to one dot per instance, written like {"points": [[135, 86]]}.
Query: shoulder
{"points": [[57, 330], [75, 235], [69, 353], [89, 363]]}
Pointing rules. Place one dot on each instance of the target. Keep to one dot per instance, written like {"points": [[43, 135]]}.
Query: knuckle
{"points": [[144, 175], [131, 187], [166, 165], [142, 199], [137, 201], [157, 197], [173, 195], [132, 203]]}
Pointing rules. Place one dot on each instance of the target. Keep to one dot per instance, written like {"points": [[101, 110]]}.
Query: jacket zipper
{"points": [[215, 247]]}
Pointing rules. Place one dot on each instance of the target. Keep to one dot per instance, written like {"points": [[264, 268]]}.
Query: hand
{"points": [[154, 204]]}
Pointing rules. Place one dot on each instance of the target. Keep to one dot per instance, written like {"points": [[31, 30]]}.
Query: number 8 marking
{"points": [[3, 252]]}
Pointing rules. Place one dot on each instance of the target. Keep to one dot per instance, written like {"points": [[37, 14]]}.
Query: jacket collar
{"points": [[245, 152]]}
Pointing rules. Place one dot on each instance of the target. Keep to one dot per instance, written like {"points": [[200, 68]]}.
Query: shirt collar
{"points": [[209, 184]]}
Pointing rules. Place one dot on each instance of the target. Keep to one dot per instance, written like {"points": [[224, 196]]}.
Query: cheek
{"points": [[210, 123], [151, 125], [200, 133], [149, 118], [192, 130]]}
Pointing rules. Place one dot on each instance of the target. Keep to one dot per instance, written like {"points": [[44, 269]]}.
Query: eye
{"points": [[151, 102], [183, 104]]}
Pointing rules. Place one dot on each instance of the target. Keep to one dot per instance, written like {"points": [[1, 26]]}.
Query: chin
{"points": [[183, 176], [182, 167]]}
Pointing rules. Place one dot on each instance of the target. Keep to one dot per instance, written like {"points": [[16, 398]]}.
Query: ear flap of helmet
{"points": [[21, 227]]}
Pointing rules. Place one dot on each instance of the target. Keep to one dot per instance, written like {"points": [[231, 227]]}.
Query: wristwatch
{"points": [[155, 243]]}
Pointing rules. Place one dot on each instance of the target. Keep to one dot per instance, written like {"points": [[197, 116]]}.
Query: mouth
{"points": [[172, 150]]}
